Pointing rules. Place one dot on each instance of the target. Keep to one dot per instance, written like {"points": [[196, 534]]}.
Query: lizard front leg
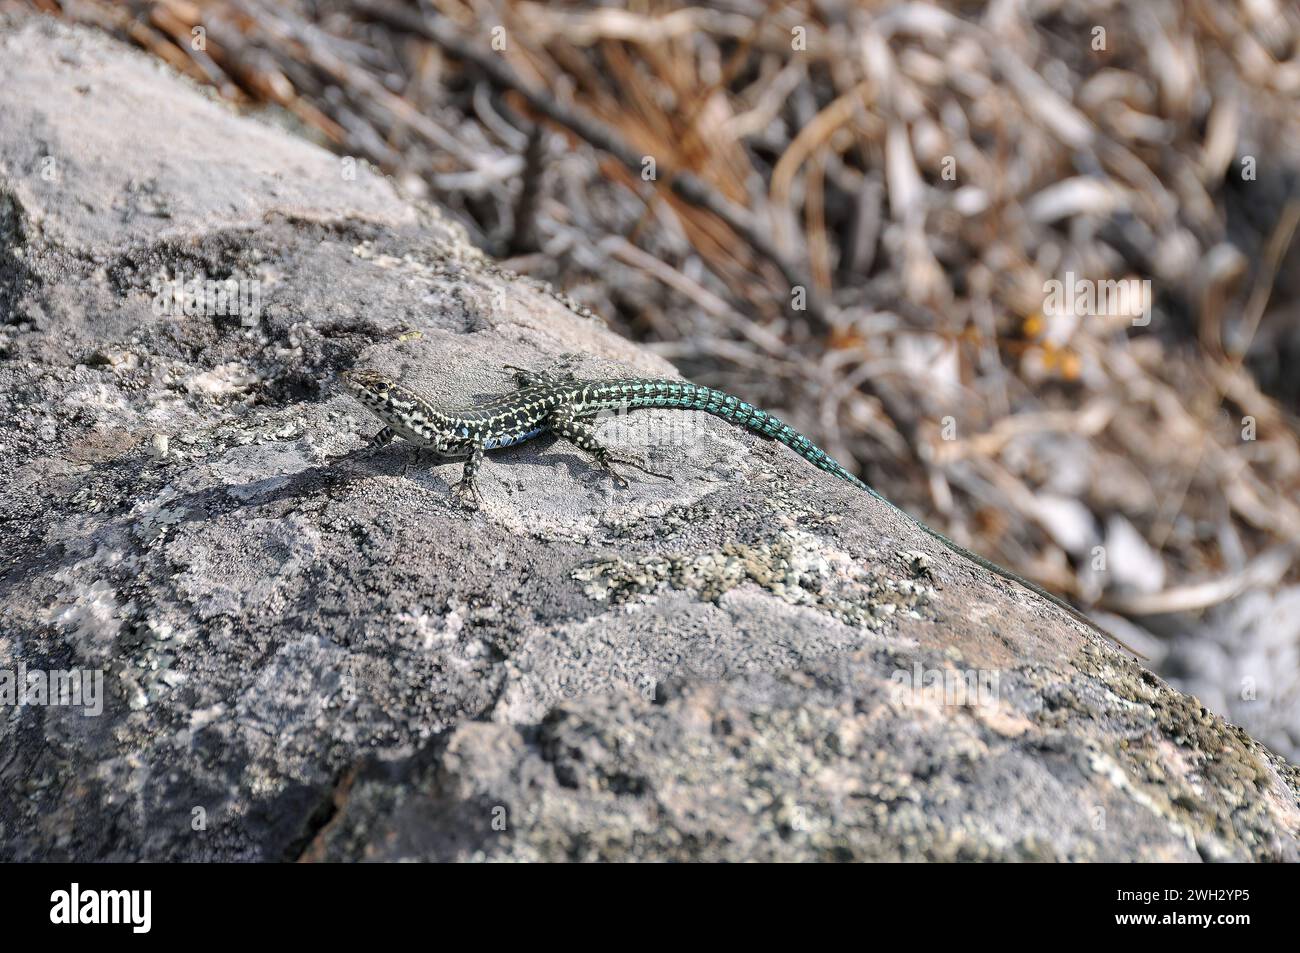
{"points": [[386, 436], [466, 491], [583, 436]]}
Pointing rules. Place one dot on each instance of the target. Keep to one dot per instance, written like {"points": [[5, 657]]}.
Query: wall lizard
{"points": [[565, 406]]}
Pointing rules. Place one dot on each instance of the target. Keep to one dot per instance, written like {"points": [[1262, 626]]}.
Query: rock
{"points": [[307, 652]]}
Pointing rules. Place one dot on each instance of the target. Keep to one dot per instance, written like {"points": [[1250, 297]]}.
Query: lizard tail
{"points": [[682, 395], [773, 428]]}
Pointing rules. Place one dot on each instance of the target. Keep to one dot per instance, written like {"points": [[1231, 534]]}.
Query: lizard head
{"points": [[370, 387], [398, 406]]}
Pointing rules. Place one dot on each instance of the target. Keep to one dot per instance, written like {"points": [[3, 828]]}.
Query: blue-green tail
{"points": [[682, 395]]}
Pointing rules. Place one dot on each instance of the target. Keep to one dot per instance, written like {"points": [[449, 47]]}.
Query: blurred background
{"points": [[1029, 266]]}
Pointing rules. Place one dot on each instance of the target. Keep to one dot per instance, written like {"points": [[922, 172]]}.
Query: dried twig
{"points": [[438, 30]]}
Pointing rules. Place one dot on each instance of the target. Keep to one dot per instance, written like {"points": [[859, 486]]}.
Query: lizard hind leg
{"points": [[526, 378], [581, 434]]}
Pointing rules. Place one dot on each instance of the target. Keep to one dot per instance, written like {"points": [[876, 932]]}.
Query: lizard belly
{"points": [[498, 441]]}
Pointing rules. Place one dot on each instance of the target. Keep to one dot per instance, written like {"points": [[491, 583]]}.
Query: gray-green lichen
{"points": [[792, 565]]}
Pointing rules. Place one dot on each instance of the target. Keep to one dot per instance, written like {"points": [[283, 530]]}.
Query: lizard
{"points": [[564, 405]]}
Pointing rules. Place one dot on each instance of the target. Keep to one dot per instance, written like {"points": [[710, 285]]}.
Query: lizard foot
{"points": [[467, 494], [559, 373], [619, 480], [526, 378], [412, 459]]}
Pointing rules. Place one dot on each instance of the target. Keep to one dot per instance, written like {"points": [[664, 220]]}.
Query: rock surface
{"points": [[310, 653]]}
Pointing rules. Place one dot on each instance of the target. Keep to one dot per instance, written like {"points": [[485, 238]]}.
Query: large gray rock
{"points": [[310, 652]]}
